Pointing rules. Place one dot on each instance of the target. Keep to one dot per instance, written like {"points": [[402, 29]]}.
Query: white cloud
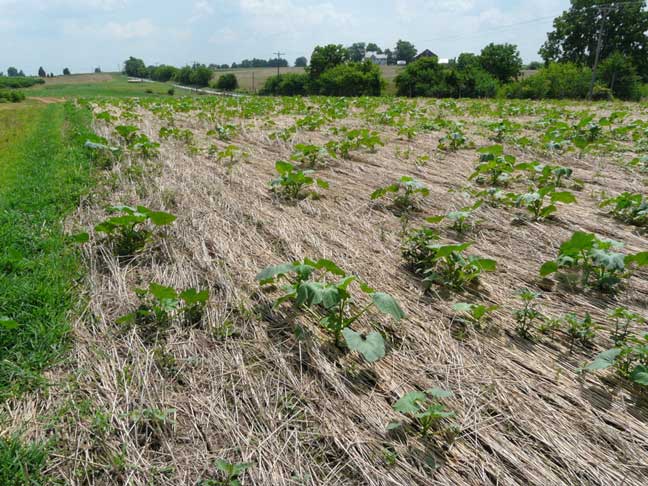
{"points": [[201, 10], [136, 29]]}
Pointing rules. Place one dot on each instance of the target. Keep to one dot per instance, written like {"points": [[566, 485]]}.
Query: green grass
{"points": [[86, 86], [44, 170], [21, 464]]}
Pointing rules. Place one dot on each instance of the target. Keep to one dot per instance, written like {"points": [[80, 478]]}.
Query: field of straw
{"points": [[255, 384]]}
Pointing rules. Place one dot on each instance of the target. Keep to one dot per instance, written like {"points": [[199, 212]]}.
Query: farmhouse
{"points": [[373, 56], [425, 53]]}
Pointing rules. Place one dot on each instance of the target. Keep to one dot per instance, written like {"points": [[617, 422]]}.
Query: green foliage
{"points": [[599, 265], [163, 73], [351, 79], [12, 96], [196, 75], [576, 31], [534, 201], [477, 314], [631, 208], [227, 82], [136, 68], [301, 61], [424, 408], [494, 166], [15, 82], [623, 319], [289, 84], [408, 193], [292, 181], [161, 306], [405, 51], [502, 61], [629, 359], [353, 140], [308, 155], [230, 471], [331, 302], [130, 232], [444, 265], [582, 330], [528, 314], [461, 219], [556, 81], [620, 76], [325, 58], [454, 141]]}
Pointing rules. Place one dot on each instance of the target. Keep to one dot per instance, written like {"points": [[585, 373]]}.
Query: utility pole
{"points": [[278, 54], [603, 12]]}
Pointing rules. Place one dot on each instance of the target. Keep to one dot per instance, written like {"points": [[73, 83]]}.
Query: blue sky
{"points": [[82, 34]]}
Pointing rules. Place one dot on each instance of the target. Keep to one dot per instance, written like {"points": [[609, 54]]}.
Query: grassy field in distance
{"points": [[103, 84]]}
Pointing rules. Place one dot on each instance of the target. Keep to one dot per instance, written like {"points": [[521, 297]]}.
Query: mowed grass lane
{"points": [[43, 171]]}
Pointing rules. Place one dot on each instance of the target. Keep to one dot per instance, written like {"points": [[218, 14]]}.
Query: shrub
{"points": [[11, 96], [290, 84], [163, 73], [19, 82], [620, 76], [227, 82], [352, 79], [423, 77], [558, 80]]}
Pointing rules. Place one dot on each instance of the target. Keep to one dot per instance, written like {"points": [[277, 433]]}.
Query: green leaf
{"points": [[322, 183], [268, 274], [192, 296], [641, 258], [563, 197], [578, 242], [387, 304], [329, 266], [435, 219], [604, 360], [486, 264], [161, 218], [283, 167], [371, 347], [548, 268], [640, 375], [409, 403], [439, 393], [161, 292]]}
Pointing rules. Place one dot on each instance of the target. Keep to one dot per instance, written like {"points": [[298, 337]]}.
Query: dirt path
{"points": [[46, 100]]}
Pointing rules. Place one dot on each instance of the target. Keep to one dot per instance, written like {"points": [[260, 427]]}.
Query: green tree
{"points": [[405, 51], [301, 61], [373, 47], [66, 72], [575, 33], [326, 57], [357, 51], [423, 77], [502, 61], [352, 79], [136, 68], [227, 82], [12, 72], [467, 60], [41, 72], [620, 75], [97, 70]]}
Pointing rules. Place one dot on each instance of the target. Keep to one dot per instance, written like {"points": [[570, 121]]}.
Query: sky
{"points": [[84, 34]]}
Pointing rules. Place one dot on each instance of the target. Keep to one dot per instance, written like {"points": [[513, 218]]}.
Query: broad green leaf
{"points": [[435, 219], [371, 347], [640, 375], [161, 218], [387, 304], [486, 264], [439, 393], [641, 258], [604, 360], [322, 183], [268, 274], [283, 167], [548, 268], [161, 292], [563, 197], [579, 241], [329, 266], [409, 403], [192, 296]]}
